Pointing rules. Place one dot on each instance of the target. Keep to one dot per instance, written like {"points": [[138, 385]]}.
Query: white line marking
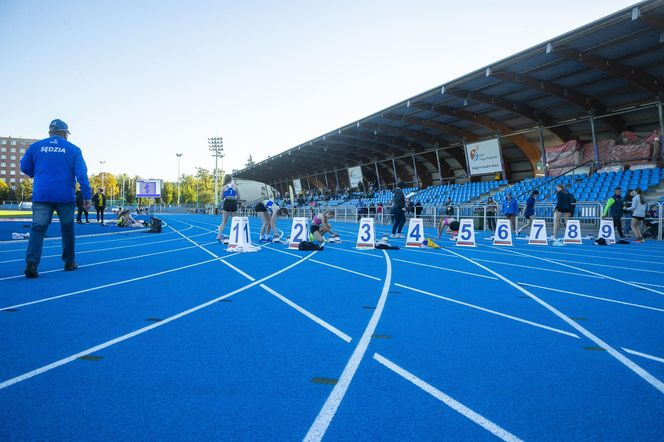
{"points": [[645, 283], [112, 284], [590, 271], [326, 414], [643, 355], [659, 385], [308, 314], [128, 258], [83, 252], [592, 297], [538, 268], [636, 269], [455, 405], [140, 331], [493, 312], [326, 264], [445, 268]]}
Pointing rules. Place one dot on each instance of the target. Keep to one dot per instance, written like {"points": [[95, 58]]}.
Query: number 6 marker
{"points": [[503, 234]]}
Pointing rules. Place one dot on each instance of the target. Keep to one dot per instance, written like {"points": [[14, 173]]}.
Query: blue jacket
{"points": [[510, 207], [530, 207], [55, 164]]}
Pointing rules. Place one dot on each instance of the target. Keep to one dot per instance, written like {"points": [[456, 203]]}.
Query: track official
{"points": [[55, 164]]}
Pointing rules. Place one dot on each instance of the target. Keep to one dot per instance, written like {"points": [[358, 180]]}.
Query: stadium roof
{"points": [[611, 70]]}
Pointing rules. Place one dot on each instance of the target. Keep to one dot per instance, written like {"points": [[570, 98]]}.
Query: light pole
{"points": [[178, 155], [216, 146], [102, 173]]}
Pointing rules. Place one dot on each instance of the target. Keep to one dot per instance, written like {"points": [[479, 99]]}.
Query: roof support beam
{"points": [[616, 123], [639, 79], [441, 127], [514, 107]]}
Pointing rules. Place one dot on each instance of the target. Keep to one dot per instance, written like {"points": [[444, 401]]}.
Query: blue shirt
{"points": [[55, 164], [510, 207], [230, 191], [530, 207]]}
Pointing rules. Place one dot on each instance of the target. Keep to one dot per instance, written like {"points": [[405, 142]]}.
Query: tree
{"points": [[4, 190], [250, 162], [24, 190], [168, 192], [110, 186]]}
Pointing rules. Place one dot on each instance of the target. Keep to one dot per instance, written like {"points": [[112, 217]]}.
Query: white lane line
{"points": [[493, 312], [287, 301], [455, 405], [645, 283], [538, 268], [643, 355], [610, 266], [659, 385], [340, 249], [83, 252], [112, 284], [308, 314], [592, 297], [140, 331], [445, 268], [127, 258], [326, 414], [590, 271], [326, 264], [80, 242]]}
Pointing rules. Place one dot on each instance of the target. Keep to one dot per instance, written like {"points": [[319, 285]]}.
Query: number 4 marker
{"points": [[415, 233]]}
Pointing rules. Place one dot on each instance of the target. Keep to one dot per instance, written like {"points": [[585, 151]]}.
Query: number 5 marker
{"points": [[466, 235]]}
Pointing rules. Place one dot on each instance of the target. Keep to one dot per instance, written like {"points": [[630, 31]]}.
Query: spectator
{"points": [[81, 208], [491, 208], [55, 164], [100, 204], [627, 214], [510, 210], [614, 206], [638, 209], [398, 210], [562, 209]]}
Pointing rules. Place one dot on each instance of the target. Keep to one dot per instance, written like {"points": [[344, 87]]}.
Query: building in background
{"points": [[11, 152]]}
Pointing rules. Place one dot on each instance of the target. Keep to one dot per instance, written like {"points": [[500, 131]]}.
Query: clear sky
{"points": [[140, 80]]}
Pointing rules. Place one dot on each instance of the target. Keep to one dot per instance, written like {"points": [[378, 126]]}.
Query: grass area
{"points": [[15, 214]]}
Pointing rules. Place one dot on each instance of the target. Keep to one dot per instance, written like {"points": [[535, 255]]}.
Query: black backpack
{"points": [[308, 246], [156, 226]]}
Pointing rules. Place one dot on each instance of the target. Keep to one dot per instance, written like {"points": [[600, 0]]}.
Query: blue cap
{"points": [[58, 126]]}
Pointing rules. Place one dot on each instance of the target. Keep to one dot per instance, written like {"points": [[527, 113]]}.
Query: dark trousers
{"points": [[617, 225], [399, 220], [491, 220], [100, 214], [80, 213]]}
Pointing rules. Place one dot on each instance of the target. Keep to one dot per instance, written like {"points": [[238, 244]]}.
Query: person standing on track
{"points": [[638, 209], [510, 210], [55, 164], [398, 210], [81, 209], [530, 210], [268, 212], [231, 195], [614, 206], [100, 204], [562, 209]]}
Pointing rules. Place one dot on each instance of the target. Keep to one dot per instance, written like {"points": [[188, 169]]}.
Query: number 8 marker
{"points": [[573, 232]]}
